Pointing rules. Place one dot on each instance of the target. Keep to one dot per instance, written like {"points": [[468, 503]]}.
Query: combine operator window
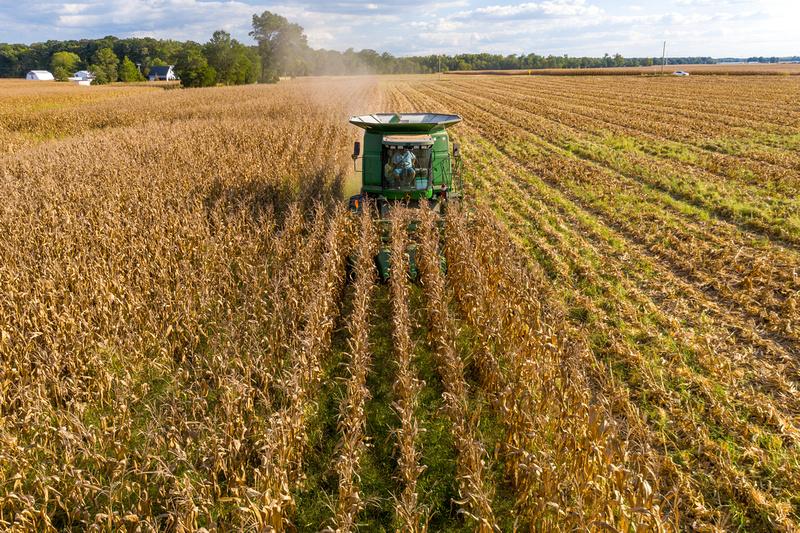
{"points": [[407, 166]]}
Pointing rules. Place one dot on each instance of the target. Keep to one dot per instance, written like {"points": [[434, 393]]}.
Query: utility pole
{"points": [[663, 57], [440, 63]]}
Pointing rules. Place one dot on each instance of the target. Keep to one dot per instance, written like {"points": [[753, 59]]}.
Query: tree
{"points": [[282, 46], [235, 63], [193, 68], [246, 67], [129, 72], [104, 66], [219, 52], [64, 64]]}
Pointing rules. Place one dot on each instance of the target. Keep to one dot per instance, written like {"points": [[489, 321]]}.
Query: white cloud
{"points": [[550, 8], [74, 8], [576, 27]]}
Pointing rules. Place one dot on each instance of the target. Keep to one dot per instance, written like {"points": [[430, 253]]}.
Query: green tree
{"points": [[220, 54], [128, 71], [282, 46], [64, 64], [104, 66], [246, 66], [193, 68], [234, 63]]}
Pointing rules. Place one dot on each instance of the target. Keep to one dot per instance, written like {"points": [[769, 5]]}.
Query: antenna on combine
{"points": [[663, 57]]}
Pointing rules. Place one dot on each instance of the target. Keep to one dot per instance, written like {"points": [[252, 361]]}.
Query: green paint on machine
{"points": [[430, 172], [408, 159]]}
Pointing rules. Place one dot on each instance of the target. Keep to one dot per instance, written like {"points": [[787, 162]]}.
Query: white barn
{"points": [[41, 75]]}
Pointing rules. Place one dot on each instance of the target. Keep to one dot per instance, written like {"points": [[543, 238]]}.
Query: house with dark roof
{"points": [[165, 73]]}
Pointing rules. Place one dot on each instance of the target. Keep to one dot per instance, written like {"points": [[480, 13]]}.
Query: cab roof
{"points": [[404, 122]]}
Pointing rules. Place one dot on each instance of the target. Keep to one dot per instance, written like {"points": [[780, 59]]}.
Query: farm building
{"points": [[165, 73], [82, 77], [41, 75]]}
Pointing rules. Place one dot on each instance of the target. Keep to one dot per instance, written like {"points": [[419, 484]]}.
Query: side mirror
{"points": [[456, 150], [356, 150]]}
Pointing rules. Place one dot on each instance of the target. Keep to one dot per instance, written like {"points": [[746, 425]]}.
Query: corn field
{"points": [[604, 337]]}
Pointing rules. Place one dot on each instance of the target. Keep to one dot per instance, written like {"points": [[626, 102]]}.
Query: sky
{"points": [[633, 28]]}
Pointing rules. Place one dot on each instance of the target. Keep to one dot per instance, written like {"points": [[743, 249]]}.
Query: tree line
{"points": [[222, 60], [281, 49], [760, 59]]}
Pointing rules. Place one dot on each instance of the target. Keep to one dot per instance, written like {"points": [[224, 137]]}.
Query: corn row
{"points": [[352, 423], [411, 513], [475, 496], [541, 369], [283, 457]]}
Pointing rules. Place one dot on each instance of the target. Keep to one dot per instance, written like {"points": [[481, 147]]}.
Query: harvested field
{"points": [[613, 344], [722, 69]]}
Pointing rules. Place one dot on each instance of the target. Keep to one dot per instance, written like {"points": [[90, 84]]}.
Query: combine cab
{"points": [[407, 159]]}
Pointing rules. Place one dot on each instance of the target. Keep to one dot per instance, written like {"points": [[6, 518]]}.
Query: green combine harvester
{"points": [[407, 160]]}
